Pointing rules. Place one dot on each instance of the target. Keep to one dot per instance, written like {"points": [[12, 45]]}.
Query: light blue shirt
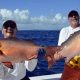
{"points": [[18, 71]]}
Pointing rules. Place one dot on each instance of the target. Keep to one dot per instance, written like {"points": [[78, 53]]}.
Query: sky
{"points": [[37, 14]]}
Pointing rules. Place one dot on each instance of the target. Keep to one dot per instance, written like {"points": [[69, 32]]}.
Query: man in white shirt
{"points": [[72, 68], [73, 18], [17, 71]]}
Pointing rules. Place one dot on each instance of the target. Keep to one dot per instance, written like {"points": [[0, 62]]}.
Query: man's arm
{"points": [[62, 37], [31, 64]]}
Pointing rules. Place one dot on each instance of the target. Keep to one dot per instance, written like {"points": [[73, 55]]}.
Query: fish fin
{"points": [[50, 61], [8, 64]]}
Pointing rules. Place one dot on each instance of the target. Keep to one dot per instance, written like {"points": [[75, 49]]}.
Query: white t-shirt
{"points": [[65, 33], [18, 71]]}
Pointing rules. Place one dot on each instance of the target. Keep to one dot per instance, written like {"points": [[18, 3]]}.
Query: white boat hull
{"points": [[47, 77]]}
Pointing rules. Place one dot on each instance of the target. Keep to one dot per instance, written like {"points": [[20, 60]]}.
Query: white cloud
{"points": [[5, 13], [17, 15], [23, 17], [58, 16], [40, 19]]}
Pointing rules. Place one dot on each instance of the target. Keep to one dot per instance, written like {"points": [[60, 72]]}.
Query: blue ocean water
{"points": [[42, 38]]}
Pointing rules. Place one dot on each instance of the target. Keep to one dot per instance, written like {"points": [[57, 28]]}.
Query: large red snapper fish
{"points": [[68, 49], [16, 50]]}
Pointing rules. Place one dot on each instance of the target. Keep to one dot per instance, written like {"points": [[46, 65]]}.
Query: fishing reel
{"points": [[74, 62]]}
